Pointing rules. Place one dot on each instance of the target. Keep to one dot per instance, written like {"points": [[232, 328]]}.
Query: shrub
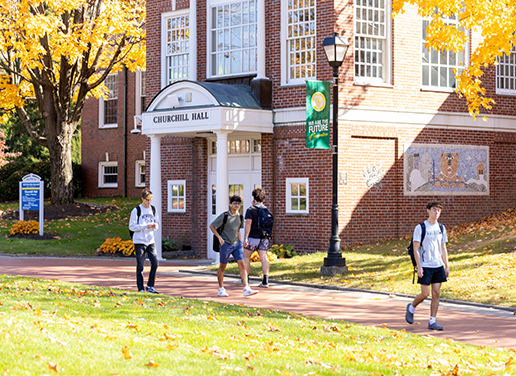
{"points": [[255, 257], [117, 245], [169, 245], [283, 251], [25, 227]]}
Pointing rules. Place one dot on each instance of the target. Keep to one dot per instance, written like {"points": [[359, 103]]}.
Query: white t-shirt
{"points": [[142, 234], [430, 251]]}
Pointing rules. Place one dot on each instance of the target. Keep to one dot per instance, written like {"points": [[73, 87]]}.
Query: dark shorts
{"points": [[432, 275], [237, 250]]}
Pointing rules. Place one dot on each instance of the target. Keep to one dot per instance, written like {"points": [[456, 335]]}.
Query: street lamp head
{"points": [[335, 48]]}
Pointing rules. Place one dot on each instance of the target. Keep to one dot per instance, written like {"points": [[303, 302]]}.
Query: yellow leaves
{"points": [[53, 367], [117, 245], [271, 328], [24, 227], [172, 347], [152, 364], [126, 353]]}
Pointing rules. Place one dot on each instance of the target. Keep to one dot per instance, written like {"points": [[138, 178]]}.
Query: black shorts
{"points": [[432, 275]]}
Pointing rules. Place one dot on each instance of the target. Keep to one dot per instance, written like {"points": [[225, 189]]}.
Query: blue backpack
{"points": [[265, 223]]}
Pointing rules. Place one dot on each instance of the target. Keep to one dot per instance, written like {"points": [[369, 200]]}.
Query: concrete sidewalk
{"points": [[478, 325]]}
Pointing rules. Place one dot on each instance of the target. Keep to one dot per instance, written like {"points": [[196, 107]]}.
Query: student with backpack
{"points": [[142, 224], [431, 257], [226, 228], [258, 232]]}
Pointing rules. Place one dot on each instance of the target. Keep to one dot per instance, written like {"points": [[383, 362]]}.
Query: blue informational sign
{"points": [[30, 195]]}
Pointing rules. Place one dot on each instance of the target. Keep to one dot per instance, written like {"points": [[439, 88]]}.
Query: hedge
{"points": [[12, 173]]}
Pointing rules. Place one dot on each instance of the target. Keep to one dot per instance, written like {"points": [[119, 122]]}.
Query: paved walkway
{"points": [[472, 324]]}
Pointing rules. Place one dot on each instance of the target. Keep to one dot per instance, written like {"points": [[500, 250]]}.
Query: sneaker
{"points": [[223, 292], [435, 326], [409, 316], [264, 285], [142, 290], [152, 290], [249, 292]]}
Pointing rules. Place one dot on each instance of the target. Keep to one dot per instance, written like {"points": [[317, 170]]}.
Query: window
{"points": [[176, 34], [372, 41], [506, 74], [108, 174], [300, 41], [239, 146], [234, 38], [108, 108], [438, 66], [176, 196], [297, 195], [140, 93], [139, 177]]}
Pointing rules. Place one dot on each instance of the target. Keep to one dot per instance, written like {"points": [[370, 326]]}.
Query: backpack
{"points": [[410, 248], [216, 243], [138, 213], [265, 223]]}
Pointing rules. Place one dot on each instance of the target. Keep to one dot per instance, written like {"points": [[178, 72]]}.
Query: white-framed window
{"points": [[139, 177], [139, 102], [298, 25], [506, 74], [176, 47], [297, 196], [437, 66], [108, 174], [176, 196], [108, 108], [233, 38], [238, 146], [372, 42]]}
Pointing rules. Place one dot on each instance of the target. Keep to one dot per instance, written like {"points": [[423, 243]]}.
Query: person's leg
{"points": [[223, 262], [265, 262], [243, 272], [139, 250], [425, 293], [436, 292], [247, 254], [153, 258], [220, 274]]}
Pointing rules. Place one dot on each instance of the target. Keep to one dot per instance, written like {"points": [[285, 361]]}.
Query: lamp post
{"points": [[335, 48]]}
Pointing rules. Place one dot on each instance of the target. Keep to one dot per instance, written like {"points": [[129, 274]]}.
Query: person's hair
{"points": [[258, 194], [235, 198], [434, 204], [146, 193]]}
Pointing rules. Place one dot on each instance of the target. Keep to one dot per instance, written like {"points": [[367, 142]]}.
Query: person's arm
{"points": [[216, 224], [214, 230], [248, 223], [155, 226], [133, 222], [418, 259], [444, 253]]}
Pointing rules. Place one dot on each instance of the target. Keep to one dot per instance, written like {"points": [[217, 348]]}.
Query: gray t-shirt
{"points": [[230, 232], [430, 251]]}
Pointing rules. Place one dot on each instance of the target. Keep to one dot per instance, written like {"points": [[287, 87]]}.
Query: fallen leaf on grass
{"points": [[152, 364], [53, 367], [126, 353], [172, 347]]}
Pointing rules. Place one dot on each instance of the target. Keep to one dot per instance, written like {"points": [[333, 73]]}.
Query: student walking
{"points": [[142, 224], [432, 263], [253, 240], [231, 244]]}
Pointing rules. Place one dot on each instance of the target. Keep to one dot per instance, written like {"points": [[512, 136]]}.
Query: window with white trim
{"points": [[437, 66], [372, 41], [176, 47], [297, 196], [140, 93], [108, 108], [234, 28], [299, 25], [176, 196], [139, 177], [108, 174], [506, 74]]}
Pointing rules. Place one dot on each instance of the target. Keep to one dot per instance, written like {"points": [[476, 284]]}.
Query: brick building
{"points": [[226, 112]]}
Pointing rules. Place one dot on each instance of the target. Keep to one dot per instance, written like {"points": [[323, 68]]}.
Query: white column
{"points": [[261, 39], [155, 186], [193, 40]]}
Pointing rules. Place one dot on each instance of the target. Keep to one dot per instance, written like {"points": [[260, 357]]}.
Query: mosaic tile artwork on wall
{"points": [[435, 169]]}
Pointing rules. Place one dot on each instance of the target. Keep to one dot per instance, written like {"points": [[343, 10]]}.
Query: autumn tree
{"points": [[494, 22], [56, 53], [4, 155]]}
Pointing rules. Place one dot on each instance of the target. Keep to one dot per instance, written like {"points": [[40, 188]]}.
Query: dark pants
{"points": [[140, 250]]}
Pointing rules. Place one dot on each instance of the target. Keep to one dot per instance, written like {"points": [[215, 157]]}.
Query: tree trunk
{"points": [[60, 149]]}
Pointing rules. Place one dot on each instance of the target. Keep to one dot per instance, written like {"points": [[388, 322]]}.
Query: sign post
{"points": [[31, 197]]}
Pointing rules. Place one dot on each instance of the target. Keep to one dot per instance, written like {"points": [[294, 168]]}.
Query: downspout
{"points": [[124, 194]]}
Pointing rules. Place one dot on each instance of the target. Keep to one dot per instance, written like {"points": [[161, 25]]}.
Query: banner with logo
{"points": [[318, 114]]}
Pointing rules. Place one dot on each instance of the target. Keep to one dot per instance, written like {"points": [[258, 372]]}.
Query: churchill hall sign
{"points": [[180, 117]]}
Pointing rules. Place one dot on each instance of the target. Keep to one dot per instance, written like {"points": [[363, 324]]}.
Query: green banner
{"points": [[318, 114]]}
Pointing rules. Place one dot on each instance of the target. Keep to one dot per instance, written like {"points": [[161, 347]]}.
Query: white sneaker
{"points": [[249, 292], [222, 292]]}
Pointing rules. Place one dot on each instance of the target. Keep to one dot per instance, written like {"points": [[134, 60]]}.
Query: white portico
{"points": [[218, 112]]}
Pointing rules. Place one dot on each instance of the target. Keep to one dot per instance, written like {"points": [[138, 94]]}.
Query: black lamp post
{"points": [[335, 48]]}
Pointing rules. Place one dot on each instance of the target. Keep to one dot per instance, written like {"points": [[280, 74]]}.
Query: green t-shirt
{"points": [[230, 232]]}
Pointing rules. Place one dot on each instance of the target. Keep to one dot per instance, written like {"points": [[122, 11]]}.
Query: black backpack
{"points": [[265, 223], [138, 213], [410, 248], [216, 243]]}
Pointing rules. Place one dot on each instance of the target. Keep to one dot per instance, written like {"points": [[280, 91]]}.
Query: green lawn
{"points": [[80, 236], [50, 326]]}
